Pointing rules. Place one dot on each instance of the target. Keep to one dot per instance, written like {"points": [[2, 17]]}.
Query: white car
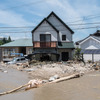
{"points": [[18, 60]]}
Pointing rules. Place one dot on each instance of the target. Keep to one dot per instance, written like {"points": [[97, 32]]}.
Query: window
{"points": [[22, 58], [45, 40], [45, 37], [8, 51], [63, 37], [30, 50]]}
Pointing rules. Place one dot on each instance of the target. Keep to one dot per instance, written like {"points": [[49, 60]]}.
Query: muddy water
{"points": [[84, 88], [11, 80]]}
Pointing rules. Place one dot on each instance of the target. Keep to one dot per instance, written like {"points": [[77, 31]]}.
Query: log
{"points": [[55, 81], [8, 92], [66, 78]]}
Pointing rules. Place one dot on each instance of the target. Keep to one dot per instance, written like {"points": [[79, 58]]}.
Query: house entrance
{"points": [[45, 57], [22, 50], [65, 56]]}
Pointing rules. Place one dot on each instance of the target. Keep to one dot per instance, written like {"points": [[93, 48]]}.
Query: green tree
{"points": [[1, 42], [4, 40], [9, 39], [78, 55]]}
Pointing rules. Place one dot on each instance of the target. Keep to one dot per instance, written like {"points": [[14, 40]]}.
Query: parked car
{"points": [[18, 60]]}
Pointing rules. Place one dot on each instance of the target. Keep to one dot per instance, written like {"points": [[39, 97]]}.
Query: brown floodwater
{"points": [[84, 88]]}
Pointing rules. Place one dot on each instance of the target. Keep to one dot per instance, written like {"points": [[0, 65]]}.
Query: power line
{"points": [[53, 30], [48, 26], [87, 28], [85, 23], [85, 18]]}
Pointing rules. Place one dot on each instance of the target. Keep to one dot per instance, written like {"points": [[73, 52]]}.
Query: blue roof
{"points": [[91, 51]]}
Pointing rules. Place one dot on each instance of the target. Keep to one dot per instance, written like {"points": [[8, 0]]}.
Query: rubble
{"points": [[54, 78], [45, 70]]}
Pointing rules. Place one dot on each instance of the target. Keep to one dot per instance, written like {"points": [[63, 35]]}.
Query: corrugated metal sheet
{"points": [[67, 45], [19, 43]]}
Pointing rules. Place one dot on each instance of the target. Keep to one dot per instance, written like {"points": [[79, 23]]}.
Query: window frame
{"points": [[63, 37], [45, 37]]}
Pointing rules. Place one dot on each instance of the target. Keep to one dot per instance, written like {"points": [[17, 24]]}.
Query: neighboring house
{"points": [[52, 39], [24, 46], [90, 46]]}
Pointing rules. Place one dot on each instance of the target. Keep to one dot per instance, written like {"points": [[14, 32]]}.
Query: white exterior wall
{"points": [[87, 57], [45, 28], [96, 57], [63, 31], [90, 43]]}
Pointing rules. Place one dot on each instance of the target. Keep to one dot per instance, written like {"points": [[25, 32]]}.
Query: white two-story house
{"points": [[52, 39], [90, 47]]}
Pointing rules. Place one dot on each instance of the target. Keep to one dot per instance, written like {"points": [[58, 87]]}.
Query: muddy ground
{"points": [[85, 88], [45, 70]]}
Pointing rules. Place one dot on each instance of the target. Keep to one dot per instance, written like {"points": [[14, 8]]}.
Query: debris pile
{"points": [[44, 70]]}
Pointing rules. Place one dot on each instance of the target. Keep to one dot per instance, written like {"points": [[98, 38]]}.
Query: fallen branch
{"points": [[66, 78], [8, 92], [36, 83]]}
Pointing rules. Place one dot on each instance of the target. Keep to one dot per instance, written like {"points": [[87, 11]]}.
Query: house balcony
{"points": [[37, 44]]}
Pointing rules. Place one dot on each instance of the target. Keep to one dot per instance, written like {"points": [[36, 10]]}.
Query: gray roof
{"points": [[46, 19], [95, 37], [26, 42]]}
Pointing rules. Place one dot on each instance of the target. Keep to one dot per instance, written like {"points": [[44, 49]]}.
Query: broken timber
{"points": [[55, 81], [66, 78], [11, 91]]}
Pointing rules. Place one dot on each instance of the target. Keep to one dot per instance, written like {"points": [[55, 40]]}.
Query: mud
{"points": [[84, 88], [11, 80]]}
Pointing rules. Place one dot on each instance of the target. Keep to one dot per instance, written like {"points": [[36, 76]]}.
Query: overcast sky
{"points": [[28, 13]]}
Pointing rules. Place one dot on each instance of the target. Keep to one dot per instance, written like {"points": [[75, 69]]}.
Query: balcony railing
{"points": [[38, 44]]}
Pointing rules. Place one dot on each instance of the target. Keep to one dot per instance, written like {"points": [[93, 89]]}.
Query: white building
{"points": [[52, 39], [90, 47]]}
